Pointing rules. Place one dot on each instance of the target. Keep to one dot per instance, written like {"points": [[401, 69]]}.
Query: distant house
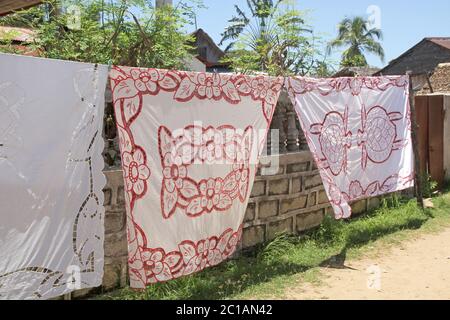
{"points": [[422, 60], [439, 80], [356, 72], [209, 52], [8, 6]]}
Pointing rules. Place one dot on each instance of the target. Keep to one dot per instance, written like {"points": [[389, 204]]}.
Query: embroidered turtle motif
{"points": [[335, 140], [378, 136]]}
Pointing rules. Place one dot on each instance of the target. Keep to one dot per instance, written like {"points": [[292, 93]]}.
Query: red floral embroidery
{"points": [[130, 86], [136, 171], [190, 257], [206, 145], [378, 136], [325, 87], [335, 140]]}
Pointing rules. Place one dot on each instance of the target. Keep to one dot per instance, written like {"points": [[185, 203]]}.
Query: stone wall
{"points": [[291, 201]]}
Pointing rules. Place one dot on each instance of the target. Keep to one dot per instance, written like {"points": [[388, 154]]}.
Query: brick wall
{"points": [[291, 201]]}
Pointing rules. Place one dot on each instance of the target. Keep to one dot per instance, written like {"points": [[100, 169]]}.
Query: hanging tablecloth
{"points": [[51, 180], [359, 131], [190, 143]]}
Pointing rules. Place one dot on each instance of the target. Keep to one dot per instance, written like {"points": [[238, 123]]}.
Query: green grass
{"points": [[268, 271]]}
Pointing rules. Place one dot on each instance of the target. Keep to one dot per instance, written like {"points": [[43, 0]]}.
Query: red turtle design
{"points": [[334, 140], [378, 136]]}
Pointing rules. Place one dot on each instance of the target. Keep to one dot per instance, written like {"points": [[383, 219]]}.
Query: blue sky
{"points": [[404, 22]]}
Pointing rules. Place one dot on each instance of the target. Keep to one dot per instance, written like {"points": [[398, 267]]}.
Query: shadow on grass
{"points": [[287, 255]]}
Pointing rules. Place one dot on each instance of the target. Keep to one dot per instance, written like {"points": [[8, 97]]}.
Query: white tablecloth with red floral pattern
{"points": [[359, 131], [190, 144]]}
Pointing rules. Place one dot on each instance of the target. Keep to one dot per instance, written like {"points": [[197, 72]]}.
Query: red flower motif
{"points": [[209, 86], [153, 262], [208, 254], [210, 192], [136, 171], [145, 80], [260, 88], [174, 172]]}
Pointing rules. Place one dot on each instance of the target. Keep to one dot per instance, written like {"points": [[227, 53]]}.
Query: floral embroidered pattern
{"points": [[378, 136], [136, 171], [196, 145], [345, 136], [133, 84], [354, 85], [190, 257], [178, 152], [335, 140]]}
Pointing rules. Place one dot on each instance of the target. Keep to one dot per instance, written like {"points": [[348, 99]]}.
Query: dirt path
{"points": [[418, 269]]}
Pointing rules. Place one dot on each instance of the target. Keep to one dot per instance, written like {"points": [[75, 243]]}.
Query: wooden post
{"points": [[414, 135]]}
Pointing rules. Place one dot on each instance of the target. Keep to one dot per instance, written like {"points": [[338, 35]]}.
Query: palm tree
{"points": [[263, 12], [355, 34], [267, 33]]}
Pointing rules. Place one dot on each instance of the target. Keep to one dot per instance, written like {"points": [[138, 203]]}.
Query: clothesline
{"points": [[190, 144]]}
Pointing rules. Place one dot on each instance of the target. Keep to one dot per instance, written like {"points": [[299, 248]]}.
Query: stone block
{"points": [[312, 199], [111, 277], [296, 203], [275, 229], [312, 181], [297, 167], [259, 189], [116, 244], [108, 195], [323, 198], [253, 236], [277, 187], [121, 196], [359, 207], [310, 220], [114, 221], [373, 203], [250, 212], [296, 185], [268, 209]]}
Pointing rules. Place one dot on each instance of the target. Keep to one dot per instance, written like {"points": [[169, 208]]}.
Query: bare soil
{"points": [[418, 269]]}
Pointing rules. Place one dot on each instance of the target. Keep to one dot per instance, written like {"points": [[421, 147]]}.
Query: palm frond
{"points": [[241, 14]]}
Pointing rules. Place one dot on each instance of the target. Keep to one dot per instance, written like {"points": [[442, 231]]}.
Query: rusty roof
{"points": [[8, 6], [17, 34], [443, 42]]}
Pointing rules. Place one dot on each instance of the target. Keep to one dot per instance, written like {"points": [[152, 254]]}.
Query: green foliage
{"points": [[273, 38], [358, 39], [429, 186], [119, 32]]}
